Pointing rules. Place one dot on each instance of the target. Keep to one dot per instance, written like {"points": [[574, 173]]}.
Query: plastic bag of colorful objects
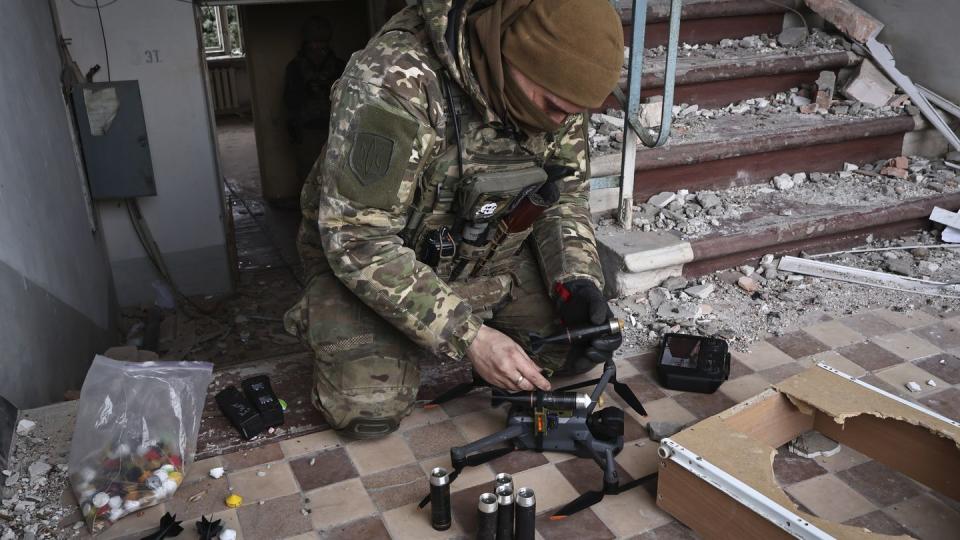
{"points": [[135, 435]]}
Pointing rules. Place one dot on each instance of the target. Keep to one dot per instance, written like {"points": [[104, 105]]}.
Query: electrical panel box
{"points": [[113, 138]]}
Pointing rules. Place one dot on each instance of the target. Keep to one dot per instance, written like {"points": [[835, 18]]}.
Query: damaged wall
{"points": [[156, 43], [924, 40], [55, 284]]}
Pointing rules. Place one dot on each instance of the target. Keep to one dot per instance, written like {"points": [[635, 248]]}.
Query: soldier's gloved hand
{"points": [[581, 303]]}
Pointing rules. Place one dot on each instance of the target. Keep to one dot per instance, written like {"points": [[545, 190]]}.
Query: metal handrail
{"points": [[631, 102]]}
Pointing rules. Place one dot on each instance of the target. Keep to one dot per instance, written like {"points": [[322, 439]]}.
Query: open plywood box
{"points": [[717, 476]]}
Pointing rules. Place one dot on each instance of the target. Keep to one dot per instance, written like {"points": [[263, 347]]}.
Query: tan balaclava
{"points": [[573, 48]]}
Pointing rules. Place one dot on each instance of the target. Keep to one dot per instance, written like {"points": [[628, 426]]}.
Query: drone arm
{"points": [[609, 371], [460, 455]]}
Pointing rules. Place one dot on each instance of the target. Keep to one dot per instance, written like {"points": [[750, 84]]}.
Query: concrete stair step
{"points": [[739, 74], [709, 21], [635, 261], [737, 150]]}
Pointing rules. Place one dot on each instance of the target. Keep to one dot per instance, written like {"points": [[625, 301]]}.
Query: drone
{"points": [[560, 420]]}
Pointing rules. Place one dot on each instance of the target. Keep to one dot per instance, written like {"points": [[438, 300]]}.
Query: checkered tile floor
{"points": [[319, 486]]}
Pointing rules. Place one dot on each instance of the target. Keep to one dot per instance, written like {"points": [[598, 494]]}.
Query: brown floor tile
{"points": [[880, 484], [869, 356], [739, 369], [517, 461], [380, 454], [789, 468], [946, 403], [873, 380], [370, 528], [645, 364], [422, 416], [228, 519], [948, 370], [274, 519], [644, 388], [329, 467], [585, 475], [878, 522], [743, 388], [704, 405], [670, 531], [338, 503], [837, 361], [926, 517], [907, 346], [844, 459], [212, 493], [584, 525], [275, 482], [900, 375], [469, 476], [798, 344], [631, 512], [762, 355], [828, 497], [870, 324], [472, 402], [942, 335], [835, 334], [251, 458], [396, 487], [781, 373], [434, 439]]}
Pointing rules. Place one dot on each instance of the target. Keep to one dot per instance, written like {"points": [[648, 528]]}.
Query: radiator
{"points": [[225, 83]]}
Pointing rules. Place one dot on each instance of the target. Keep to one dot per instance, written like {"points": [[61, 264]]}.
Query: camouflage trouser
{"points": [[366, 373]]}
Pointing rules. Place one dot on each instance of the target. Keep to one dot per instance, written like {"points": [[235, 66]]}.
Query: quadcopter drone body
{"points": [[557, 421]]}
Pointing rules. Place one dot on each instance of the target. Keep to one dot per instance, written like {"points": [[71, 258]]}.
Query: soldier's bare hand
{"points": [[501, 362]]}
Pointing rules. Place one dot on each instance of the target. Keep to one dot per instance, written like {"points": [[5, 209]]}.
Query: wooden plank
{"points": [[850, 19], [924, 456], [770, 418], [706, 509]]}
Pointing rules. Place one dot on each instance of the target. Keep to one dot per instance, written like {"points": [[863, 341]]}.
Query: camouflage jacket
{"points": [[392, 148]]}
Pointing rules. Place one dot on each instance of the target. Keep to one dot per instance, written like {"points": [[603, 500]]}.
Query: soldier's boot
{"points": [[366, 373]]}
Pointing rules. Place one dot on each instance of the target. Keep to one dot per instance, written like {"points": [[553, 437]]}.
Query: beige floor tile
{"points": [[663, 410], [339, 503], [639, 458], [631, 512], [744, 387], [828, 497], [305, 536], [134, 524], [199, 470], [557, 457], [835, 334], [906, 345], [411, 522], [479, 424], [844, 459], [422, 416], [380, 454], [469, 477], [906, 319], [762, 356], [228, 519], [927, 517], [277, 481], [310, 444], [899, 375], [836, 361], [551, 487]]}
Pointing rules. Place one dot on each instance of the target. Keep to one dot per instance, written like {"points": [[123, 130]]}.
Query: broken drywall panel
{"points": [[869, 85], [945, 217], [741, 443], [850, 19], [868, 277]]}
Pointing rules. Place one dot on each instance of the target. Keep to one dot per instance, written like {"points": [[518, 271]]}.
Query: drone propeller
{"points": [[622, 390], [473, 461], [591, 498]]}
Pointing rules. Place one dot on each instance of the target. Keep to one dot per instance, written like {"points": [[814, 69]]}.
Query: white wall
{"points": [[55, 285], [155, 42], [924, 39]]}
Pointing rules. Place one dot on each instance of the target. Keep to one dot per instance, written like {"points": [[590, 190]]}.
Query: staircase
{"points": [[732, 150]]}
